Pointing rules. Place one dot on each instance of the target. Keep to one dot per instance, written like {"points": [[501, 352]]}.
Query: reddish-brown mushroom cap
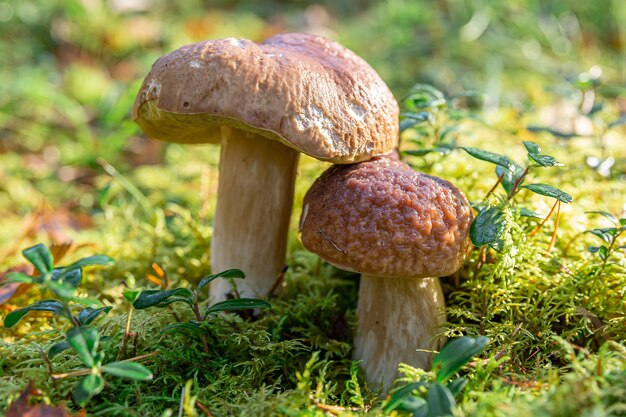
{"points": [[382, 218]]}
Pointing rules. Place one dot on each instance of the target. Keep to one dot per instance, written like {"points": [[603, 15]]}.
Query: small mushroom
{"points": [[401, 230], [265, 103]]}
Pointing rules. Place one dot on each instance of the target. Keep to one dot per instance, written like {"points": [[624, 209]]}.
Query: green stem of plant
{"points": [[126, 333]]}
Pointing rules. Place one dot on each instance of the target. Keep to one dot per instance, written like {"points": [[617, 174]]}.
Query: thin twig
{"points": [[203, 409], [556, 225], [540, 225], [46, 359], [279, 279], [325, 236], [82, 372]]}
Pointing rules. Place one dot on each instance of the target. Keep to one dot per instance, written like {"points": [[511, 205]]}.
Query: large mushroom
{"points": [[401, 230], [265, 103]]}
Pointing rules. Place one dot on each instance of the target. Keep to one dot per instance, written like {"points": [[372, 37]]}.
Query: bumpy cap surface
{"points": [[382, 218], [306, 91]]}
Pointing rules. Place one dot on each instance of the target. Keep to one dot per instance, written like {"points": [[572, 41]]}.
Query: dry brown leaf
{"points": [[22, 408]]}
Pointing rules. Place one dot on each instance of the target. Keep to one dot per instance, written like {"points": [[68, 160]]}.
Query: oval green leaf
{"points": [[494, 158], [455, 354], [87, 315], [158, 298], [440, 401], [549, 191], [54, 306], [84, 341], [130, 370], [86, 388], [229, 273], [532, 147], [58, 348], [487, 227], [41, 258], [238, 304]]}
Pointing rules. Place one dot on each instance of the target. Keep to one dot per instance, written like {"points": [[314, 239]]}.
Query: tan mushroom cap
{"points": [[381, 218], [306, 91]]}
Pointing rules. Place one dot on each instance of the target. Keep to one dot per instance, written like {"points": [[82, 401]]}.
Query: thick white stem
{"points": [[255, 196], [397, 316]]}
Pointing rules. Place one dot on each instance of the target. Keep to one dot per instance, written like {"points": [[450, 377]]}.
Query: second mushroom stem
{"points": [[397, 316], [255, 196]]}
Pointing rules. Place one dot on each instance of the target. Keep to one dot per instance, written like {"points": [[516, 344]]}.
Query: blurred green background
{"points": [[69, 71]]}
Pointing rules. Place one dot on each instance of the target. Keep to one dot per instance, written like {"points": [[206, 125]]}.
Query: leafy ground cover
{"points": [[522, 106]]}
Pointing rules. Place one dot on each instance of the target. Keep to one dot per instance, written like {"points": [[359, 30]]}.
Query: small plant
{"points": [[82, 338], [431, 120], [432, 396], [163, 298], [609, 237], [490, 223]]}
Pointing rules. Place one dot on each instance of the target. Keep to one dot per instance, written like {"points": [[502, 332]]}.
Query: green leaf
{"points": [[487, 227], [88, 261], [238, 304], [61, 289], [186, 325], [602, 234], [508, 178], [532, 147], [229, 273], [443, 150], [18, 277], [41, 258], [131, 295], [455, 354], [456, 386], [558, 134], [84, 340], [545, 160], [73, 278], [86, 388], [549, 191], [525, 212], [494, 158], [87, 315], [398, 396], [440, 400], [606, 214], [58, 348], [54, 306], [159, 298], [131, 370]]}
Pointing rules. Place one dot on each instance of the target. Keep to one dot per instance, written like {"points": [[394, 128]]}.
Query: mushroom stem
{"points": [[256, 186], [397, 316]]}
